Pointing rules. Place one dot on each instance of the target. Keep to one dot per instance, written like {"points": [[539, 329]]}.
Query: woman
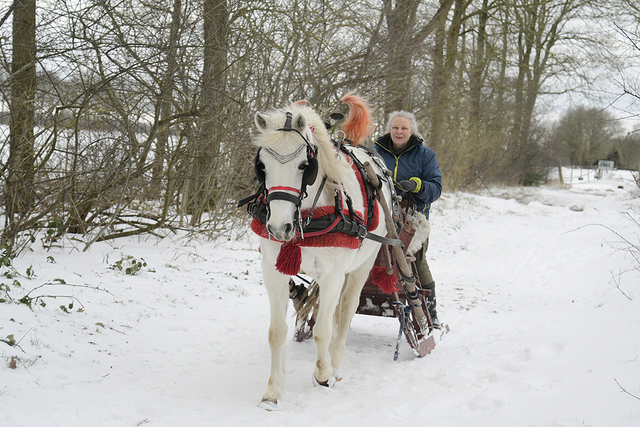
{"points": [[418, 180]]}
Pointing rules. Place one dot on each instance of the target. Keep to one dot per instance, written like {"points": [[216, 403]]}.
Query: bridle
{"points": [[309, 176]]}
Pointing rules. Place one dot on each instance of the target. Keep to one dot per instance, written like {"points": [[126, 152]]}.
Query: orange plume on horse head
{"points": [[358, 126], [303, 103]]}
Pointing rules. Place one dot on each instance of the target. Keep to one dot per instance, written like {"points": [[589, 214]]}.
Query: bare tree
{"points": [[540, 28], [203, 158], [144, 109], [20, 170], [405, 37], [586, 135], [165, 101]]}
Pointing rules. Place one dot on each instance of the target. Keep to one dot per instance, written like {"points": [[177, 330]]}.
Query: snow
{"points": [[540, 290]]}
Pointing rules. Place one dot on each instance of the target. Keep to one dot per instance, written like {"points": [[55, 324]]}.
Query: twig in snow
{"points": [[30, 300], [616, 282], [622, 388], [19, 341], [631, 248]]}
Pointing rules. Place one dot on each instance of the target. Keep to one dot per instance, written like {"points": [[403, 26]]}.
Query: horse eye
{"points": [[303, 166]]}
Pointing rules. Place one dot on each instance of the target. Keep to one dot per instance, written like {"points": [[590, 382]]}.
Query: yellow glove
{"points": [[414, 185]]}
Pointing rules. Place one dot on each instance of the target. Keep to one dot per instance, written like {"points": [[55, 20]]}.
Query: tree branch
{"points": [[6, 15], [622, 389]]}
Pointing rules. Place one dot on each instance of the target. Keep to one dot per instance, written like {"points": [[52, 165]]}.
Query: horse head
{"points": [[286, 164], [295, 147]]}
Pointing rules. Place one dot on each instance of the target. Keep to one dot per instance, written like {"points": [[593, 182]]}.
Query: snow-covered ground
{"points": [[541, 294]]}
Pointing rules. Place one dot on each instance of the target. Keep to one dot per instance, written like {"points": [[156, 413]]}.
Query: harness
{"points": [[323, 220], [343, 218]]}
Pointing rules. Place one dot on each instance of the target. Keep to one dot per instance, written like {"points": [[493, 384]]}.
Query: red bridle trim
{"points": [[282, 188]]}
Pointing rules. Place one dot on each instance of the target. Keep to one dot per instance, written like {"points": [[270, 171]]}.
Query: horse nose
{"points": [[288, 228], [283, 234]]}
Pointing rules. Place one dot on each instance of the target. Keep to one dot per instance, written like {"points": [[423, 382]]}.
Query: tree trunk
{"points": [[21, 163], [439, 83], [166, 99], [476, 78], [400, 23], [206, 156], [403, 42]]}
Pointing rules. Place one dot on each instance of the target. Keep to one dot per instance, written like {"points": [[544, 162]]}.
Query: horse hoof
{"points": [[269, 405], [338, 374], [328, 383]]}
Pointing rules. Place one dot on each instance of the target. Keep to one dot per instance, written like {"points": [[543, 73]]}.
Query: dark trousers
{"points": [[424, 272]]}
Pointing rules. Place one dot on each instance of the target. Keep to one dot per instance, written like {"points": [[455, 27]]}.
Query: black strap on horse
{"points": [[370, 190], [337, 222], [287, 128]]}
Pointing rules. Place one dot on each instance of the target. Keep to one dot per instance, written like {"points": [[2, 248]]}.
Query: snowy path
{"points": [[526, 280]]}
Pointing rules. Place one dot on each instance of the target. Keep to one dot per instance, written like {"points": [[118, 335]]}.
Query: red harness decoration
{"points": [[290, 256]]}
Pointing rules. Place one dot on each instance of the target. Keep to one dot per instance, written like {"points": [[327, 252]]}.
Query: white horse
{"points": [[294, 142]]}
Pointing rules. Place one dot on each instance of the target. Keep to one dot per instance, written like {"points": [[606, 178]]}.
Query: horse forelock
{"points": [[272, 137], [336, 168]]}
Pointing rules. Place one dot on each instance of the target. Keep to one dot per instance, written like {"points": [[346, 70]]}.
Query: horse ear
{"points": [[299, 122], [262, 120]]}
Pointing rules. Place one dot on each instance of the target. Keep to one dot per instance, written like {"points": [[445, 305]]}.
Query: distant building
{"points": [[604, 167]]}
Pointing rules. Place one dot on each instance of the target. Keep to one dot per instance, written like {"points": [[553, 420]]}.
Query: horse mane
{"points": [[358, 126]]}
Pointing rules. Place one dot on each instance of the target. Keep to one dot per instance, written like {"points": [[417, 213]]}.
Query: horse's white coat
{"points": [[340, 272]]}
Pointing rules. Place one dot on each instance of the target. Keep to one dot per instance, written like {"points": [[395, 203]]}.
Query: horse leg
{"points": [[278, 290], [323, 329], [346, 309]]}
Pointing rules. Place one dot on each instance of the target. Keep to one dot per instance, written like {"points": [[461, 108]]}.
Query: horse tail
{"points": [[358, 125]]}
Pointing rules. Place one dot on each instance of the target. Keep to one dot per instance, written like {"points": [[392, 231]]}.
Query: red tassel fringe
{"points": [[386, 282], [289, 259]]}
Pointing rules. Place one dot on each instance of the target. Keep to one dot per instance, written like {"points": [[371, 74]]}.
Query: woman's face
{"points": [[400, 132]]}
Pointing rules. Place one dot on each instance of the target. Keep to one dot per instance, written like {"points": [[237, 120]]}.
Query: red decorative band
{"points": [[282, 188]]}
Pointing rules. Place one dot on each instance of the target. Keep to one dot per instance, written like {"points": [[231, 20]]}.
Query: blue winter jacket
{"points": [[415, 160]]}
